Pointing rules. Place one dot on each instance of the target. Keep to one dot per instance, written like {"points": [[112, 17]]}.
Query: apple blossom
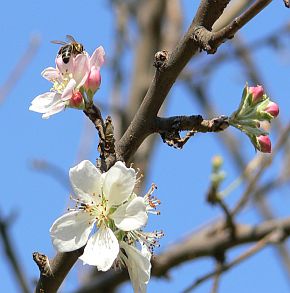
{"points": [[106, 201], [69, 83]]}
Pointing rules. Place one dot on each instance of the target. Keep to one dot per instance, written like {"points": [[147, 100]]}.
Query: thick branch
{"points": [[59, 268], [139, 129]]}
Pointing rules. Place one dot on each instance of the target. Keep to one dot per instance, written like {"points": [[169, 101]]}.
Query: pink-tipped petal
{"points": [[81, 69], [98, 57], [94, 79]]}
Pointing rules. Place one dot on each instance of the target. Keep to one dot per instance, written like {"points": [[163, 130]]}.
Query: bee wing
{"points": [[58, 42], [71, 38]]}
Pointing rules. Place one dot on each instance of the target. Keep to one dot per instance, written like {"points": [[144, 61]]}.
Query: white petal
{"points": [[119, 183], [139, 266], [97, 59], [51, 74], [101, 249], [81, 69], [55, 108], [68, 91], [44, 101], [86, 181], [131, 216], [71, 231], [48, 104]]}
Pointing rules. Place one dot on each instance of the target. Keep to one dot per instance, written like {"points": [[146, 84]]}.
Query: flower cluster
{"points": [[254, 108], [74, 83], [108, 218]]}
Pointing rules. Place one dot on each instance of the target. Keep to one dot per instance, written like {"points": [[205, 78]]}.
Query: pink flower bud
{"points": [[272, 109], [76, 100], [94, 79], [264, 143], [257, 93]]}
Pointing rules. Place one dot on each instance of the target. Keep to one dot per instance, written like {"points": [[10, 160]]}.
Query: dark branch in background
{"points": [[274, 236], [10, 252], [207, 242], [265, 162], [19, 68], [52, 170]]}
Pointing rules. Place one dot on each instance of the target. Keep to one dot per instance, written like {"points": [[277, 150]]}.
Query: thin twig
{"points": [[19, 68], [13, 259]]}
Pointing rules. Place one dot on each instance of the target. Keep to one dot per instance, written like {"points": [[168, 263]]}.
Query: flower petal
{"points": [[97, 59], [131, 216], [55, 108], [71, 231], [101, 249], [68, 91], [119, 183], [51, 74], [86, 181], [65, 68], [81, 69], [43, 102], [139, 266]]}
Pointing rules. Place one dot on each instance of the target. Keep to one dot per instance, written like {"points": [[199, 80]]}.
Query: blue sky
{"points": [[38, 199]]}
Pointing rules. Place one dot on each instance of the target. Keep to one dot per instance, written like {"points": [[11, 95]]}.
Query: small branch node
{"points": [[42, 262], [161, 59]]}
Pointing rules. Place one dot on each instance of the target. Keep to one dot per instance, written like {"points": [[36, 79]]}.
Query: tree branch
{"points": [[225, 267], [210, 41], [207, 242]]}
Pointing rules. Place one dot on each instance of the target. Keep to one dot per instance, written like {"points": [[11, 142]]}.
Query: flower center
{"points": [[60, 85]]}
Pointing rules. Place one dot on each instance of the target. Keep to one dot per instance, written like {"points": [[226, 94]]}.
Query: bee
{"points": [[68, 49]]}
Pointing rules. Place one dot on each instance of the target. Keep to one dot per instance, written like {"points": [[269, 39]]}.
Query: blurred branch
{"points": [[10, 252], [271, 237], [20, 67], [207, 242], [263, 164], [52, 170]]}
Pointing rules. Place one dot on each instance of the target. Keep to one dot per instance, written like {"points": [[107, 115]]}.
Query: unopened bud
{"points": [[272, 109], [76, 100], [264, 144], [257, 93]]}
